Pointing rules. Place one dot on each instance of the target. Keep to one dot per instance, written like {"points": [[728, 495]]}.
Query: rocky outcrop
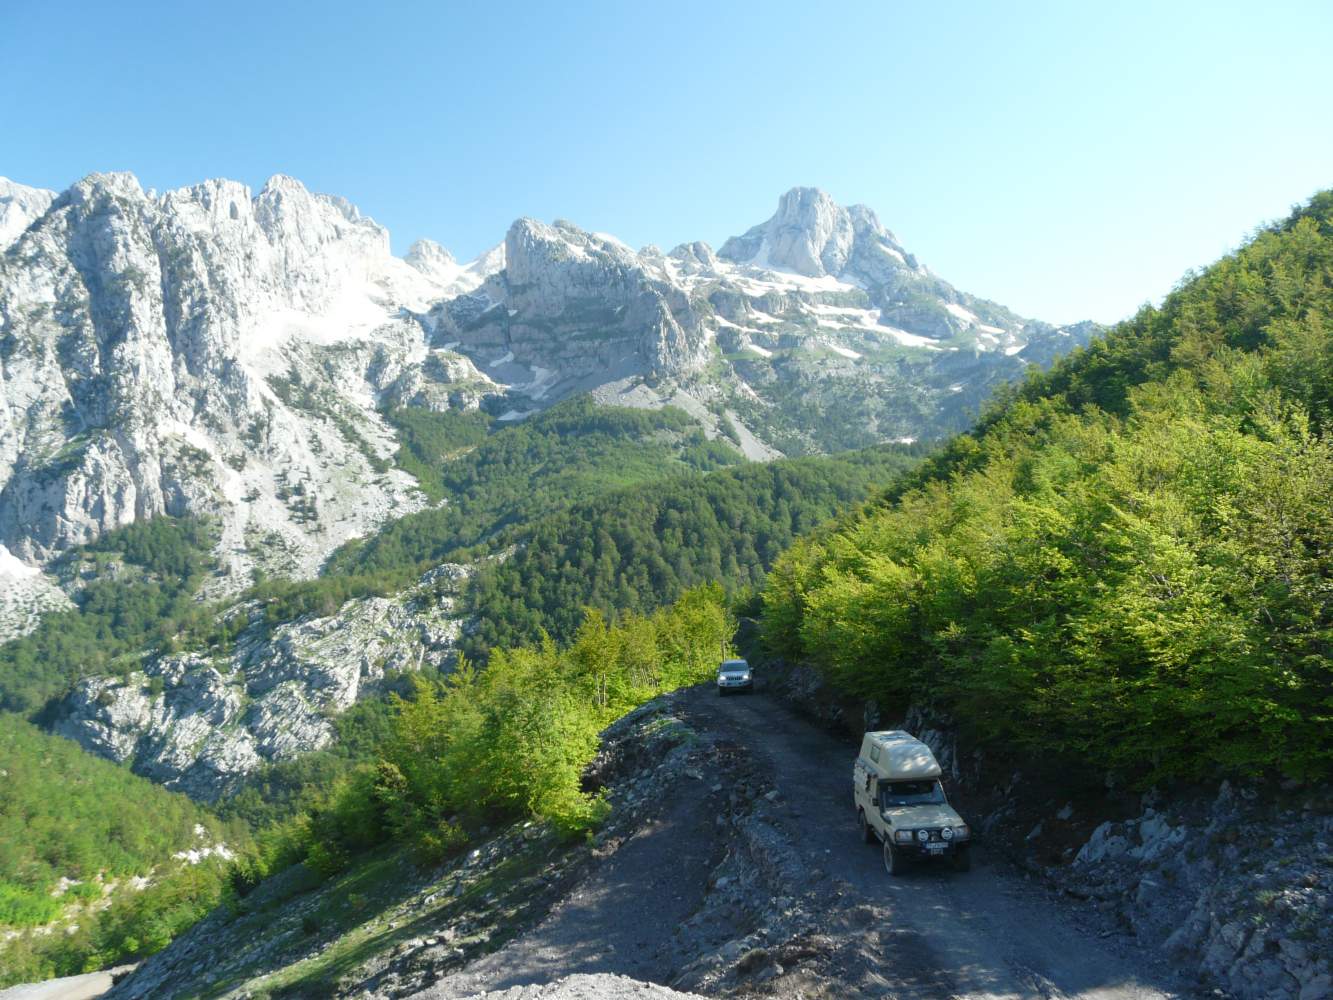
{"points": [[576, 306], [594, 987], [1237, 888], [201, 723], [26, 594], [206, 352]]}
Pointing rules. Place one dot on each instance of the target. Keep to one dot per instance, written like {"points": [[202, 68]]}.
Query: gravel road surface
{"points": [[931, 933]]}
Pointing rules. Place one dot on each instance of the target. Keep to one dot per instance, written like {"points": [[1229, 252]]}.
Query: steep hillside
{"points": [[204, 352], [107, 856], [1128, 564]]}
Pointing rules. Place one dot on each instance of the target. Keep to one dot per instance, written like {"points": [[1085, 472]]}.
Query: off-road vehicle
{"points": [[734, 675], [900, 802]]}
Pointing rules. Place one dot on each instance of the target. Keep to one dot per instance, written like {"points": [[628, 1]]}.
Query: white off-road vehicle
{"points": [[734, 675], [900, 802]]}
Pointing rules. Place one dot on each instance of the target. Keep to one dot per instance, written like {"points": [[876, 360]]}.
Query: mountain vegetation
{"points": [[1128, 563], [75, 831], [573, 451], [480, 747], [135, 588], [635, 549]]}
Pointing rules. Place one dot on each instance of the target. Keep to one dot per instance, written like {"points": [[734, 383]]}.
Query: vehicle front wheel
{"points": [[962, 858], [867, 831], [721, 692], [894, 862]]}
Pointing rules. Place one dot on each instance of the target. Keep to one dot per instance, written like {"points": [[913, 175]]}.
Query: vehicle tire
{"points": [[867, 831], [962, 859], [894, 862], [721, 692]]}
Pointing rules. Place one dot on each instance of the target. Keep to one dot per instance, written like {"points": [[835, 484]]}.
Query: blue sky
{"points": [[1067, 159]]}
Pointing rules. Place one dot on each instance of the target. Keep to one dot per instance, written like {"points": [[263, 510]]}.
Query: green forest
{"points": [[66, 814], [1129, 564], [635, 549], [138, 586], [521, 472]]}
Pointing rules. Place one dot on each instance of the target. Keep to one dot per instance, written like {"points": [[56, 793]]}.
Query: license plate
{"points": [[937, 848]]}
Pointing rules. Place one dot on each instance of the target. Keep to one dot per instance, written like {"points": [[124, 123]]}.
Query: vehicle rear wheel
{"points": [[867, 831], [962, 858], [894, 862]]}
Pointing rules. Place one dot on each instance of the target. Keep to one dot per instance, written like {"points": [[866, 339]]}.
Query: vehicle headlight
{"points": [[947, 833], [961, 832], [923, 835], [903, 836]]}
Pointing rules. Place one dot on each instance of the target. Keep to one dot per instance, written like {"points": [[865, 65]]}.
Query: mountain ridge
{"points": [[219, 352]]}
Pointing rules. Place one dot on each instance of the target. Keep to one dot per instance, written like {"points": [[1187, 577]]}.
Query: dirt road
{"points": [[84, 987], [931, 933]]}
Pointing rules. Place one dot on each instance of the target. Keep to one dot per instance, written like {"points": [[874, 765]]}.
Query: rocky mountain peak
{"points": [[812, 235], [20, 207], [308, 223], [537, 253], [430, 258], [697, 254], [809, 234], [152, 340]]}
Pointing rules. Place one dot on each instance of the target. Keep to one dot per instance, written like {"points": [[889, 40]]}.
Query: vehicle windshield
{"points": [[911, 793]]}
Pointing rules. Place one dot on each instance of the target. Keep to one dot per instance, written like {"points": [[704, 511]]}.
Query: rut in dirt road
{"points": [[650, 908]]}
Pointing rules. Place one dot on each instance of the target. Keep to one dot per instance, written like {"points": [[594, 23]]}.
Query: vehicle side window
{"points": [[874, 752]]}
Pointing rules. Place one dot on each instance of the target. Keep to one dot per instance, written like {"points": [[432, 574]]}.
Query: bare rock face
{"points": [[809, 234], [204, 352], [568, 308], [201, 723], [1236, 888], [26, 594]]}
